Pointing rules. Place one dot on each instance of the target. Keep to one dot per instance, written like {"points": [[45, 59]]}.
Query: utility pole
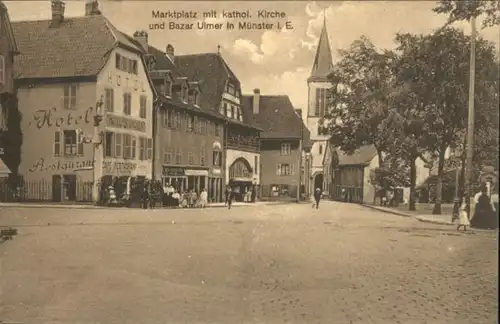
{"points": [[470, 121], [300, 159]]}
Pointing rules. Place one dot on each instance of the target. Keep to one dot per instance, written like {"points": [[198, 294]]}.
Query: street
{"points": [[289, 263]]}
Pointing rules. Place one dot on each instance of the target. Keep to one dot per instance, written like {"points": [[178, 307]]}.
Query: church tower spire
{"points": [[323, 63]]}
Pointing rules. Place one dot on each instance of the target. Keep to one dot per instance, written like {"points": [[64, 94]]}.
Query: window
{"points": [[217, 129], [142, 107], [202, 155], [72, 143], [125, 64], [190, 158], [109, 144], [142, 148], [320, 149], [190, 122], [230, 89], [2, 69], [57, 143], [203, 126], [167, 118], [167, 87], [167, 155], [232, 112], [285, 149], [109, 100], [178, 156], [225, 109], [284, 169], [127, 104], [217, 158], [321, 102], [118, 145], [150, 149], [127, 146], [256, 164], [70, 96], [178, 122]]}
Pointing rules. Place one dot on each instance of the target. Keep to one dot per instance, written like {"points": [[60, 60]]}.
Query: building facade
{"points": [[318, 89], [221, 94], [9, 134], [283, 139], [84, 124], [188, 138]]}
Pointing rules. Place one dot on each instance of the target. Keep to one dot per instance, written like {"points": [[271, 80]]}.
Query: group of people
{"points": [[485, 214], [175, 198]]}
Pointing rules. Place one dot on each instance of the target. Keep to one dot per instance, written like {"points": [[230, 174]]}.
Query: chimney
{"points": [[170, 52], [57, 7], [92, 8], [256, 101], [141, 37]]}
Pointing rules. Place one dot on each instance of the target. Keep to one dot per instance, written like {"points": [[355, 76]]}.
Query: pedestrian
{"points": [[484, 216], [317, 197], [145, 197], [229, 198], [203, 198], [227, 193], [463, 219]]}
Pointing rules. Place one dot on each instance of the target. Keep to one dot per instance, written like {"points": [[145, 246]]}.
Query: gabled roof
{"points": [[79, 46], [8, 27], [362, 156], [323, 63], [211, 72], [277, 118]]}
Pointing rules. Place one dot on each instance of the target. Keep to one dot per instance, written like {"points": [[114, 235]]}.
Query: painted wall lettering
{"points": [[45, 118], [118, 167], [127, 123], [41, 166]]}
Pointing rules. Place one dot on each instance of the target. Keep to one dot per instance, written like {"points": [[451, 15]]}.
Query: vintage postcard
{"points": [[249, 161]]}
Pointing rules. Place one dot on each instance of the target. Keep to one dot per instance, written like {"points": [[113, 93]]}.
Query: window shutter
{"points": [[150, 149], [118, 145], [134, 146], [57, 143], [79, 141], [291, 169]]}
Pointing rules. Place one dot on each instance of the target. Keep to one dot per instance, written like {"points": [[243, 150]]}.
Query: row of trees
{"points": [[412, 102]]}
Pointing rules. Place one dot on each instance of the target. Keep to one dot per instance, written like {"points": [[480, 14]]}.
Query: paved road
{"points": [[272, 264]]}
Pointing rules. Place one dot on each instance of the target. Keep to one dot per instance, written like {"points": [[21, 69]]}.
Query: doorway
{"points": [[318, 181]]}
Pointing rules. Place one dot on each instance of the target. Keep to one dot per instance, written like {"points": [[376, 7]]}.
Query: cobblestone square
{"points": [[268, 264]]}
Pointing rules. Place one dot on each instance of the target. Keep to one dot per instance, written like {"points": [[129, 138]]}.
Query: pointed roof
{"points": [[323, 63]]}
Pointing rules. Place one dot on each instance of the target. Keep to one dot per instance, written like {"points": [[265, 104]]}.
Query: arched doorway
{"points": [[318, 181], [240, 178]]}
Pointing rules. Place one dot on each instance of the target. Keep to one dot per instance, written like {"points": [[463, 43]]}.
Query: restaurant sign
{"points": [[126, 123], [173, 172]]}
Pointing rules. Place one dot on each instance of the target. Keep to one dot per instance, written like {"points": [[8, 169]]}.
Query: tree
{"points": [[360, 98], [437, 67], [13, 137], [466, 9]]}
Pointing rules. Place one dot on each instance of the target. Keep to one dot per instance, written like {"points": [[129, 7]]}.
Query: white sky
{"points": [[277, 62]]}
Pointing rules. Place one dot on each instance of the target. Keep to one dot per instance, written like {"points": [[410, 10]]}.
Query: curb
{"points": [[2, 206], [423, 220], [388, 211]]}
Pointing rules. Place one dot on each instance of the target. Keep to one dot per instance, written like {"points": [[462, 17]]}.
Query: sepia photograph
{"points": [[253, 162]]}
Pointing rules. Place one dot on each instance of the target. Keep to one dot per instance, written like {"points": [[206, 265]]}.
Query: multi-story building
{"points": [[9, 132], [188, 135], [318, 86], [221, 94], [283, 139], [86, 100]]}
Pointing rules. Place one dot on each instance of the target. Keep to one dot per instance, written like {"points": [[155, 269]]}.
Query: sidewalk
{"points": [[90, 206], [426, 218]]}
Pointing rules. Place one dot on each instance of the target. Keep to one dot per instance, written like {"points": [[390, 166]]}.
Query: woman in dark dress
{"points": [[484, 216]]}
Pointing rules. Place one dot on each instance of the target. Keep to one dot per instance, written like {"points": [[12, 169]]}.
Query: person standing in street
{"points": [[203, 198], [229, 198], [463, 219], [317, 197]]}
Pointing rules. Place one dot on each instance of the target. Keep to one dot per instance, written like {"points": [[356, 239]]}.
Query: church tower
{"points": [[318, 85]]}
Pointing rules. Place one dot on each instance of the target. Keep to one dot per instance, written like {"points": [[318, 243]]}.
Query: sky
{"points": [[276, 61]]}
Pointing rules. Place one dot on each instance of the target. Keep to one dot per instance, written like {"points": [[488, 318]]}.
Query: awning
{"points": [[200, 173], [4, 170], [241, 179]]}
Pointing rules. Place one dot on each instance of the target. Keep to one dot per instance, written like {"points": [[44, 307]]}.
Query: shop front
{"points": [[186, 179], [241, 179], [215, 183]]}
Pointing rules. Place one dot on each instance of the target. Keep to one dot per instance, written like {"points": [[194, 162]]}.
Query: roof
{"points": [[211, 72], [323, 63], [79, 46], [8, 27], [362, 156], [277, 118]]}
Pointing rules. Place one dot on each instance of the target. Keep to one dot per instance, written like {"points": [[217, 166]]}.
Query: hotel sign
{"points": [[126, 123], [173, 172]]}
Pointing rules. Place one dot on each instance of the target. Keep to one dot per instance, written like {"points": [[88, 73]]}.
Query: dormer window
{"points": [[167, 87], [231, 89], [193, 96]]}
